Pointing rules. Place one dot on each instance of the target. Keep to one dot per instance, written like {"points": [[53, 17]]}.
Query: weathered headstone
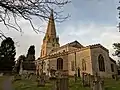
{"points": [[53, 73], [17, 77], [75, 75], [64, 84], [83, 79], [95, 85], [101, 84], [98, 83], [12, 79], [116, 77], [46, 78], [60, 82], [41, 81], [91, 81]]}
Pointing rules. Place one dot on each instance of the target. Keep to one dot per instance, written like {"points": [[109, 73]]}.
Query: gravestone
{"points": [[12, 79], [54, 83], [60, 82], [41, 80], [98, 83], [64, 83], [75, 76], [95, 85], [116, 77], [46, 78], [83, 79], [101, 84], [17, 77], [91, 81]]}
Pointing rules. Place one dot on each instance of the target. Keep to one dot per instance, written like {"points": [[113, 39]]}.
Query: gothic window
{"points": [[72, 66], [59, 64], [112, 67], [83, 65], [101, 63]]}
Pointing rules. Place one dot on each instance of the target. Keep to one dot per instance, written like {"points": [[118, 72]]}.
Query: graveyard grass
{"points": [[32, 85]]}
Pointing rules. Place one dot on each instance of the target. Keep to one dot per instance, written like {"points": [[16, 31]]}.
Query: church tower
{"points": [[50, 40]]}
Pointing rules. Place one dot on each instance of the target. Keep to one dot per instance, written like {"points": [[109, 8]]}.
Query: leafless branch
{"points": [[26, 9]]}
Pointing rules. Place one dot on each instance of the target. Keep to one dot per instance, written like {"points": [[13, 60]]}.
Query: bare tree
{"points": [[26, 9]]}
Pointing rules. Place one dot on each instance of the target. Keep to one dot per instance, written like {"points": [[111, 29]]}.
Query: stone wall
{"points": [[53, 62], [84, 54], [95, 52], [63, 49], [115, 68], [89, 54]]}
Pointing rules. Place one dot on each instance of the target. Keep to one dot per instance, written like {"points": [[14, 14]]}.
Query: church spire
{"points": [[51, 30], [50, 41]]}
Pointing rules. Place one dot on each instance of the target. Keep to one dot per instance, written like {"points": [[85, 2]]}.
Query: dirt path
{"points": [[7, 84]]}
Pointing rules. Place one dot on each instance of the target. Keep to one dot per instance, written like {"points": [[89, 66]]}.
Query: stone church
{"points": [[73, 57]]}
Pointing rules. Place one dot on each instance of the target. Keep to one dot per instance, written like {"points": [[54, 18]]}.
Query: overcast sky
{"points": [[91, 22]]}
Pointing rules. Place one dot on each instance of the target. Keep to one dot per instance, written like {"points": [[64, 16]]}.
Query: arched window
{"points": [[83, 65], [101, 63], [59, 64]]}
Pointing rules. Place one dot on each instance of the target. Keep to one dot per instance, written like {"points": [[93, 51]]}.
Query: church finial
{"points": [[51, 15], [51, 12]]}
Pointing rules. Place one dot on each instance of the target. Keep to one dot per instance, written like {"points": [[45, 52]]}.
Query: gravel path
{"points": [[7, 84]]}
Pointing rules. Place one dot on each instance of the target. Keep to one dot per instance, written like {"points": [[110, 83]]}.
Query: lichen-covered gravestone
{"points": [[98, 83], [64, 83], [41, 81], [46, 78], [116, 77], [60, 82], [101, 84], [17, 77], [85, 79], [91, 81]]}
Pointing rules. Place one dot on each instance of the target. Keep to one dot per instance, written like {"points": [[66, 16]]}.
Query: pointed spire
{"points": [[51, 31]]}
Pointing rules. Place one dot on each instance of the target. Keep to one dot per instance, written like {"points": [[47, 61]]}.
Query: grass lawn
{"points": [[112, 84], [32, 85]]}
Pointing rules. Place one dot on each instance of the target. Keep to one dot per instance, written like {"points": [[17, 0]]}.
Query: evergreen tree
{"points": [[29, 64], [31, 53], [117, 52], [117, 49], [7, 54]]}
